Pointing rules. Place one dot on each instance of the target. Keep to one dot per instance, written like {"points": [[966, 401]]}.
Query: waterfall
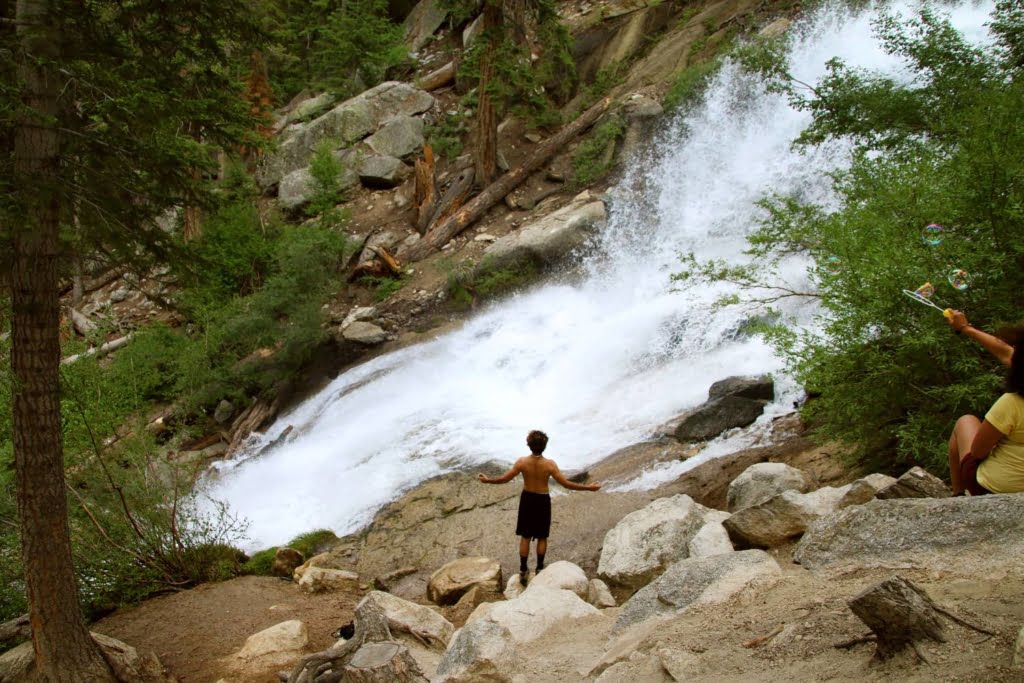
{"points": [[598, 364]]}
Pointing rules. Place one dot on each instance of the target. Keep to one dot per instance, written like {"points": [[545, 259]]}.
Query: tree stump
{"points": [[900, 614], [382, 662]]}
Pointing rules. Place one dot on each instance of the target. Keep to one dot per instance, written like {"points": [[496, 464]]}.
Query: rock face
{"points": [[275, 646], [598, 594], [762, 481], [408, 617], [915, 483], [481, 651], [712, 539], [298, 187], [364, 333], [760, 388], [715, 417], [732, 402], [345, 124], [865, 489], [377, 171], [323, 579], [534, 613], [286, 561], [400, 137], [647, 541], [782, 517], [932, 533], [449, 582], [561, 575], [698, 581], [552, 238]]}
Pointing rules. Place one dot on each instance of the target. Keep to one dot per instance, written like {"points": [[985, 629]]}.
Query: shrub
{"points": [[595, 156]]}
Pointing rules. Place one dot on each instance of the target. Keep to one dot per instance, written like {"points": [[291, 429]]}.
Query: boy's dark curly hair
{"points": [[537, 441]]}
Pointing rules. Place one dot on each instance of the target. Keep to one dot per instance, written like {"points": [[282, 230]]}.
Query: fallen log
{"points": [[438, 78], [440, 234], [81, 323], [99, 351], [454, 196]]}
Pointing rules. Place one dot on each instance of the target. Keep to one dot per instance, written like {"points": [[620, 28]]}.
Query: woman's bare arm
{"points": [[985, 440], [994, 345]]}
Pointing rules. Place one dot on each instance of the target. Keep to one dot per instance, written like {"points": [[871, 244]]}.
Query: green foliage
{"points": [[690, 83], [467, 283], [309, 544], [946, 148], [604, 80], [522, 85], [383, 287], [596, 154], [340, 46], [326, 171], [445, 136]]}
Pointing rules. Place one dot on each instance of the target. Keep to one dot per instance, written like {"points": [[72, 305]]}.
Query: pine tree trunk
{"points": [[486, 153], [899, 613], [64, 650]]}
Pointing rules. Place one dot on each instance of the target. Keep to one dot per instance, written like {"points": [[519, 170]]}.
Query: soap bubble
{"points": [[959, 279], [833, 264], [927, 290], [932, 234]]}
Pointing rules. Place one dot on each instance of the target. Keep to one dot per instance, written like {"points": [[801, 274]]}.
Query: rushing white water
{"points": [[597, 364]]}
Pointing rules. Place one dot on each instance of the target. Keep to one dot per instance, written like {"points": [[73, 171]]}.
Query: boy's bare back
{"points": [[536, 470]]}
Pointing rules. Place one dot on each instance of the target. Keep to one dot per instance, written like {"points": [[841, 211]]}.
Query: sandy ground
{"points": [[191, 631]]}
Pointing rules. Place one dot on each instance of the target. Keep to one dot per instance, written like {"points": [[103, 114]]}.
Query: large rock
{"points": [[286, 561], [697, 581], [782, 517], [278, 645], [449, 582], [930, 533], [550, 239], [345, 124], [599, 595], [644, 543], [534, 613], [408, 617], [324, 579], [915, 483], [712, 539], [422, 23], [561, 575], [400, 137], [761, 388], [298, 187], [364, 333], [762, 481], [480, 651], [381, 172], [865, 489], [716, 416]]}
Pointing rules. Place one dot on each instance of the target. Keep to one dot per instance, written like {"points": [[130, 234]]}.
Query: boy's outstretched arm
{"points": [[507, 477], [560, 478]]}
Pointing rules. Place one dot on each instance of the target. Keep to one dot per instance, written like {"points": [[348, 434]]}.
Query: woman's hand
{"points": [[958, 321]]}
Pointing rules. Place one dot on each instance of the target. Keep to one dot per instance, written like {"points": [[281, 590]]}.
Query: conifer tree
{"points": [[96, 102]]}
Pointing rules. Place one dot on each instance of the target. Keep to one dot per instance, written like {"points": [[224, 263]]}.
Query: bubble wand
{"points": [[921, 295]]}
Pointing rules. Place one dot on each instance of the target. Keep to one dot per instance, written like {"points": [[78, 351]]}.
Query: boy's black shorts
{"points": [[534, 515]]}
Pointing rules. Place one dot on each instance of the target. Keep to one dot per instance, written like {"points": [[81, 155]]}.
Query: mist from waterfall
{"points": [[597, 363]]}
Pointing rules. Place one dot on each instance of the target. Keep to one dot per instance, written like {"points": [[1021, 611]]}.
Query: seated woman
{"points": [[987, 456]]}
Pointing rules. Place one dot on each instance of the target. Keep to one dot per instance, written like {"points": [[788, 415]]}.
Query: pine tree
{"points": [[96, 107]]}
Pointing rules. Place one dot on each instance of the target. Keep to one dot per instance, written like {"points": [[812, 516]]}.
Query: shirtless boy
{"points": [[535, 503]]}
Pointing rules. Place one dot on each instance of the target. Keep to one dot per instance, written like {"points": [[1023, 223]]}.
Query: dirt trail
{"points": [[191, 631]]}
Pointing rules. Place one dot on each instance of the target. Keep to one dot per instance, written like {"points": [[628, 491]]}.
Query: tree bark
{"points": [[64, 650], [382, 662], [899, 613], [440, 234], [485, 155], [425, 189]]}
